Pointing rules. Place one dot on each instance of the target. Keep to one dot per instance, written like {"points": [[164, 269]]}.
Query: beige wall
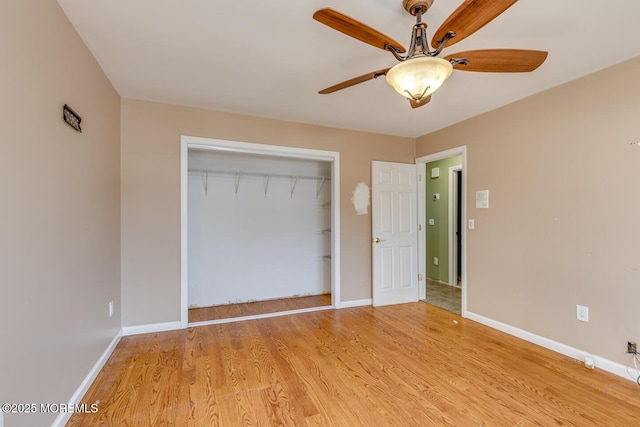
{"points": [[562, 227], [151, 195], [60, 226]]}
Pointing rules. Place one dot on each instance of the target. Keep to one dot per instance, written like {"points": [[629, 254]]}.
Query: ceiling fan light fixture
{"points": [[417, 78]]}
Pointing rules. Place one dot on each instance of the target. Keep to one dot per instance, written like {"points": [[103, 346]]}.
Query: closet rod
{"points": [[262, 175]]}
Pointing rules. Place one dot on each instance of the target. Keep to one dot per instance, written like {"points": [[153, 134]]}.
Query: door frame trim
{"points": [[453, 252], [192, 142], [421, 163]]}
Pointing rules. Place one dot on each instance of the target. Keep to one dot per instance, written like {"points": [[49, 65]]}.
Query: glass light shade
{"points": [[418, 78]]}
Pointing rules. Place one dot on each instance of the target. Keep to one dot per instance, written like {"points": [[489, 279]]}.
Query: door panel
{"points": [[386, 268], [406, 266], [394, 234], [405, 212]]}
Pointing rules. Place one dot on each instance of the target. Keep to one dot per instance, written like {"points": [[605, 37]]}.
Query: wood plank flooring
{"points": [[403, 365], [229, 311]]}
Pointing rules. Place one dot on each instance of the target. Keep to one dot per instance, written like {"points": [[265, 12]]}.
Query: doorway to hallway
{"points": [[442, 234]]}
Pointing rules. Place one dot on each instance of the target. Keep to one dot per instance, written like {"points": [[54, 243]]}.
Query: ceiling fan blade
{"points": [[416, 104], [469, 17], [355, 29], [500, 60], [354, 81]]}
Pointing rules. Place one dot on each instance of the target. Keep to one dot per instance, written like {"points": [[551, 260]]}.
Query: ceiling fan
{"points": [[420, 72]]}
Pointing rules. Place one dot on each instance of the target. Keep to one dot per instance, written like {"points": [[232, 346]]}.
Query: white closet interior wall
{"points": [[257, 228]]}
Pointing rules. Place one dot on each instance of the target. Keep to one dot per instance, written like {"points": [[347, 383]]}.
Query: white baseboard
{"points": [[171, 326], [76, 398], [355, 303], [442, 282], [600, 362], [150, 328]]}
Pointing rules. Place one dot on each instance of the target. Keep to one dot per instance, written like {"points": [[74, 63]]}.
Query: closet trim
{"points": [[192, 142]]}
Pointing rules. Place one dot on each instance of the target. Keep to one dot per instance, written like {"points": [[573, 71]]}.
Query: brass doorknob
{"points": [[376, 240]]}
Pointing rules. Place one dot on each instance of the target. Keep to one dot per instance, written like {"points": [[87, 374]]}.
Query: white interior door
{"points": [[394, 234]]}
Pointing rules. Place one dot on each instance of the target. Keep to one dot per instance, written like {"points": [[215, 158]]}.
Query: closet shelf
{"points": [[326, 258], [261, 175], [327, 232], [237, 175]]}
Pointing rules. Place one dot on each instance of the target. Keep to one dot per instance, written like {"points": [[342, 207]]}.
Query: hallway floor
{"points": [[444, 296]]}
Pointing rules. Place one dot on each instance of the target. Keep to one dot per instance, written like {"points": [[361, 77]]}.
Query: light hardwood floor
{"points": [[403, 365], [229, 311]]}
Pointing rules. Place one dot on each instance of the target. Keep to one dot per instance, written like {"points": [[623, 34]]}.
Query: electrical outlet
{"points": [[435, 260], [582, 313], [632, 347], [110, 308]]}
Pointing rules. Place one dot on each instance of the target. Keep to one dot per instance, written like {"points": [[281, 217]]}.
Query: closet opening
{"points": [[259, 230]]}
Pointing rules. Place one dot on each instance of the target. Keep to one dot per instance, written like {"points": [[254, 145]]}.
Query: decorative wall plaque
{"points": [[71, 118]]}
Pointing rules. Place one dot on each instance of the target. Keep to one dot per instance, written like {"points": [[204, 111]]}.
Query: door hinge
{"points": [[419, 277], [419, 178], [419, 227]]}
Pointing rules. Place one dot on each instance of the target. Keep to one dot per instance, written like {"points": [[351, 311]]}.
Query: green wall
{"points": [[437, 242]]}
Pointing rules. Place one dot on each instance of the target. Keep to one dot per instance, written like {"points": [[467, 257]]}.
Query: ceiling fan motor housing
{"points": [[413, 6]]}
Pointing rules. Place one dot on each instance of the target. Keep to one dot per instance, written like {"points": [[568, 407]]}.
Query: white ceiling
{"points": [[269, 58]]}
